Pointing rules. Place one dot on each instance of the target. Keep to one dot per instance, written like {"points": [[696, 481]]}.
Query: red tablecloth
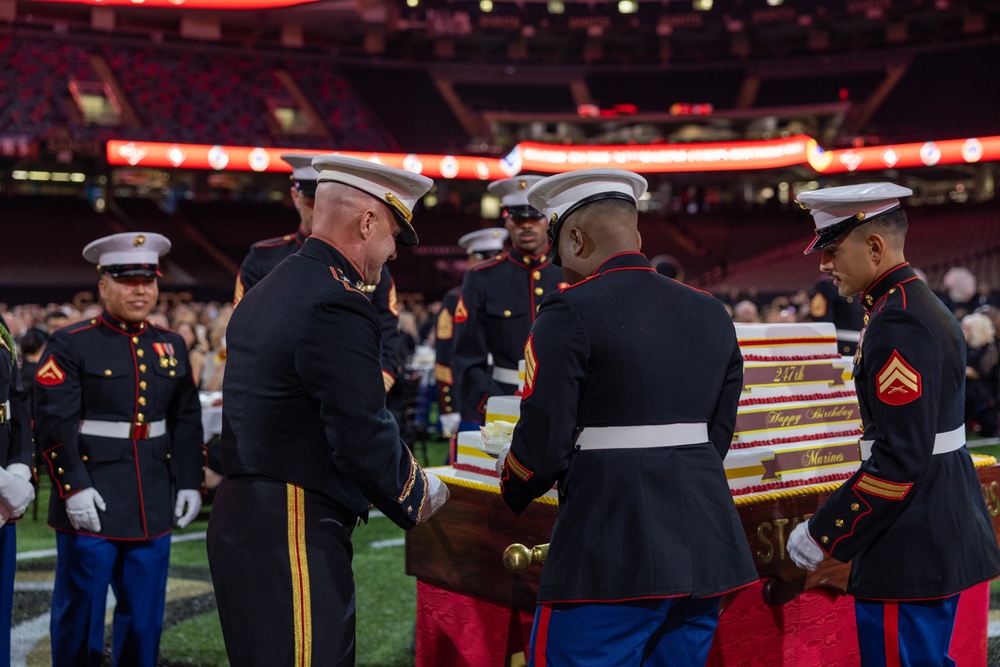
{"points": [[815, 629]]}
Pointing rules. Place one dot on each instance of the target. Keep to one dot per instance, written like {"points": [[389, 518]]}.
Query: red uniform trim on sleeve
{"points": [[517, 468]]}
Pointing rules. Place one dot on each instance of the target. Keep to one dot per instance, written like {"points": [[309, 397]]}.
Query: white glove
{"points": [[449, 423], [437, 493], [803, 548], [191, 498], [500, 460], [82, 510], [16, 491]]}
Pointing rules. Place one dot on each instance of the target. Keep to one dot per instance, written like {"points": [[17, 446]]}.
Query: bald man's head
{"points": [[360, 225], [594, 233]]}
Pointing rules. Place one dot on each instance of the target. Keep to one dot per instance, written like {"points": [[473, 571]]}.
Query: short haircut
{"points": [[892, 224], [611, 207], [33, 340]]}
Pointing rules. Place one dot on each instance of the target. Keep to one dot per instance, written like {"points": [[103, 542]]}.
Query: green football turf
{"points": [[386, 596]]}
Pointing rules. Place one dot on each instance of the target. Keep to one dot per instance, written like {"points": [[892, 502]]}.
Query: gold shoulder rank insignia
{"points": [[49, 374], [393, 303], [445, 325], [461, 314], [898, 382], [238, 294], [530, 367]]}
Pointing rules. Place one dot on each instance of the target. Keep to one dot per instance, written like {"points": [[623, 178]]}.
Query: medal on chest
{"points": [[857, 351], [166, 354]]}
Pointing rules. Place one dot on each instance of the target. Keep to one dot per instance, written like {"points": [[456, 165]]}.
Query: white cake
{"points": [[798, 421]]}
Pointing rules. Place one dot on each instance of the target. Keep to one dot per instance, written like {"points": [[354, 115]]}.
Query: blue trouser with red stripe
{"points": [[917, 632], [654, 633], [137, 572]]}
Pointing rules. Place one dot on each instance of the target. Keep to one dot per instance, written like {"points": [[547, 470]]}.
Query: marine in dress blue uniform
{"points": [[308, 445], [267, 254], [480, 246], [118, 421], [912, 520], [498, 304], [629, 405], [16, 476]]}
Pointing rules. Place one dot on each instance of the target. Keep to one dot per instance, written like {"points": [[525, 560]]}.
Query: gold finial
{"points": [[139, 240], [518, 557]]}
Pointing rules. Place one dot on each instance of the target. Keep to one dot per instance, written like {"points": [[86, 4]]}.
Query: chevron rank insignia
{"points": [[50, 374], [530, 367], [393, 300], [461, 313], [898, 382], [445, 326]]}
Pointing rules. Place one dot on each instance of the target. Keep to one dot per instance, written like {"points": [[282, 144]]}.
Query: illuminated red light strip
{"points": [[896, 156], [244, 158], [191, 4], [555, 158], [716, 156]]}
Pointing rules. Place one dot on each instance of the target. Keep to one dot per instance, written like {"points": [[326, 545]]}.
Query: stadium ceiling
{"points": [[730, 28]]}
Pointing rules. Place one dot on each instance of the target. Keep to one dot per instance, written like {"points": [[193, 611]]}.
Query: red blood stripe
{"points": [[541, 636], [890, 626]]}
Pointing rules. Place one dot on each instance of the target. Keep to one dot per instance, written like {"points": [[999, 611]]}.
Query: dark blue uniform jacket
{"points": [[915, 523], [106, 370], [498, 305], [16, 445], [267, 254], [629, 347], [304, 401]]}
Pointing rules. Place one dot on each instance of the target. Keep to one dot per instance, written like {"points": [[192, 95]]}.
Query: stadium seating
{"points": [[939, 238], [179, 93]]}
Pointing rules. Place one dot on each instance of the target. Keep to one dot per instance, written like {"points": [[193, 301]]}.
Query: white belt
{"points": [[506, 375], [127, 430], [638, 437], [848, 334], [943, 443], [4, 412]]}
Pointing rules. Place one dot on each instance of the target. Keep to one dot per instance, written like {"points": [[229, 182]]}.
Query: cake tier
{"points": [[779, 342], [503, 408], [785, 465], [779, 381]]}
